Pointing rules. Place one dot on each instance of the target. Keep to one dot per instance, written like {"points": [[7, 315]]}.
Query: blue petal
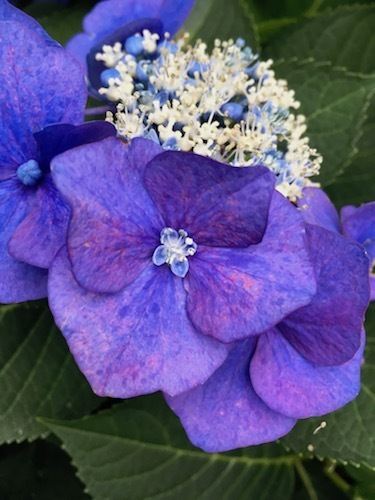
{"points": [[180, 268], [160, 255]]}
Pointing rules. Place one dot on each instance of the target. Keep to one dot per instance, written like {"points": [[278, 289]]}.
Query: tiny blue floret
{"points": [[134, 45], [107, 74], [174, 249], [29, 173]]}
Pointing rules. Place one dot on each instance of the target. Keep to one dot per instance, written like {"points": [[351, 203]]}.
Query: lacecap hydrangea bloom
{"points": [[357, 223], [42, 101], [227, 105], [193, 277]]}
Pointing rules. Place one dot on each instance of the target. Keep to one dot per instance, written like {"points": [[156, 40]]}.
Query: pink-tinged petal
{"points": [[235, 293], [316, 208], [43, 231], [36, 90], [137, 341], [217, 204], [114, 227], [327, 332], [19, 282], [225, 412], [291, 385]]}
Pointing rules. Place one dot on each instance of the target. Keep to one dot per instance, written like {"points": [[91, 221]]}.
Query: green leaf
{"points": [[334, 103], [344, 37], [211, 19], [326, 4], [318, 485], [357, 183], [39, 471], [282, 8], [349, 435], [365, 487], [137, 450], [38, 376]]}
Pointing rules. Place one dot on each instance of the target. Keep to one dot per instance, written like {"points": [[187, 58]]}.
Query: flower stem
{"points": [[96, 111], [305, 480], [329, 470]]}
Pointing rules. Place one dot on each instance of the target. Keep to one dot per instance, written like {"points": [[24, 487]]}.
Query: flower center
{"points": [[174, 250], [29, 173]]}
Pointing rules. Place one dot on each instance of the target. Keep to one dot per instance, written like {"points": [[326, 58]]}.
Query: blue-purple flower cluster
{"points": [[167, 270]]}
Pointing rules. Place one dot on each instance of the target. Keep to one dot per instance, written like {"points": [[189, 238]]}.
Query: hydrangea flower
{"points": [[227, 105], [33, 214], [171, 257], [116, 20], [307, 365], [356, 223]]}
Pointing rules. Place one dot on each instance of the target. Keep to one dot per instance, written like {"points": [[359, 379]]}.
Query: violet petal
{"points": [[293, 386], [43, 231], [359, 225], [217, 204], [134, 342], [327, 331], [316, 208], [19, 281], [234, 293], [56, 139], [225, 412], [26, 105], [114, 227]]}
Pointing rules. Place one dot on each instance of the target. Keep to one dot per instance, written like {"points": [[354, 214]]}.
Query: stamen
{"points": [[174, 249]]}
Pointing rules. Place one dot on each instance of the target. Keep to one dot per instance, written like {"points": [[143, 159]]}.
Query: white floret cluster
{"points": [[226, 104]]}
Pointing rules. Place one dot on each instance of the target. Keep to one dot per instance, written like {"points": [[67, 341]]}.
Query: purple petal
{"points": [[114, 227], [234, 293], [225, 413], [291, 385], [109, 15], [134, 342], [79, 46], [359, 225], [56, 139], [10, 13], [316, 208], [328, 331], [43, 231], [19, 282], [36, 90], [217, 204]]}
